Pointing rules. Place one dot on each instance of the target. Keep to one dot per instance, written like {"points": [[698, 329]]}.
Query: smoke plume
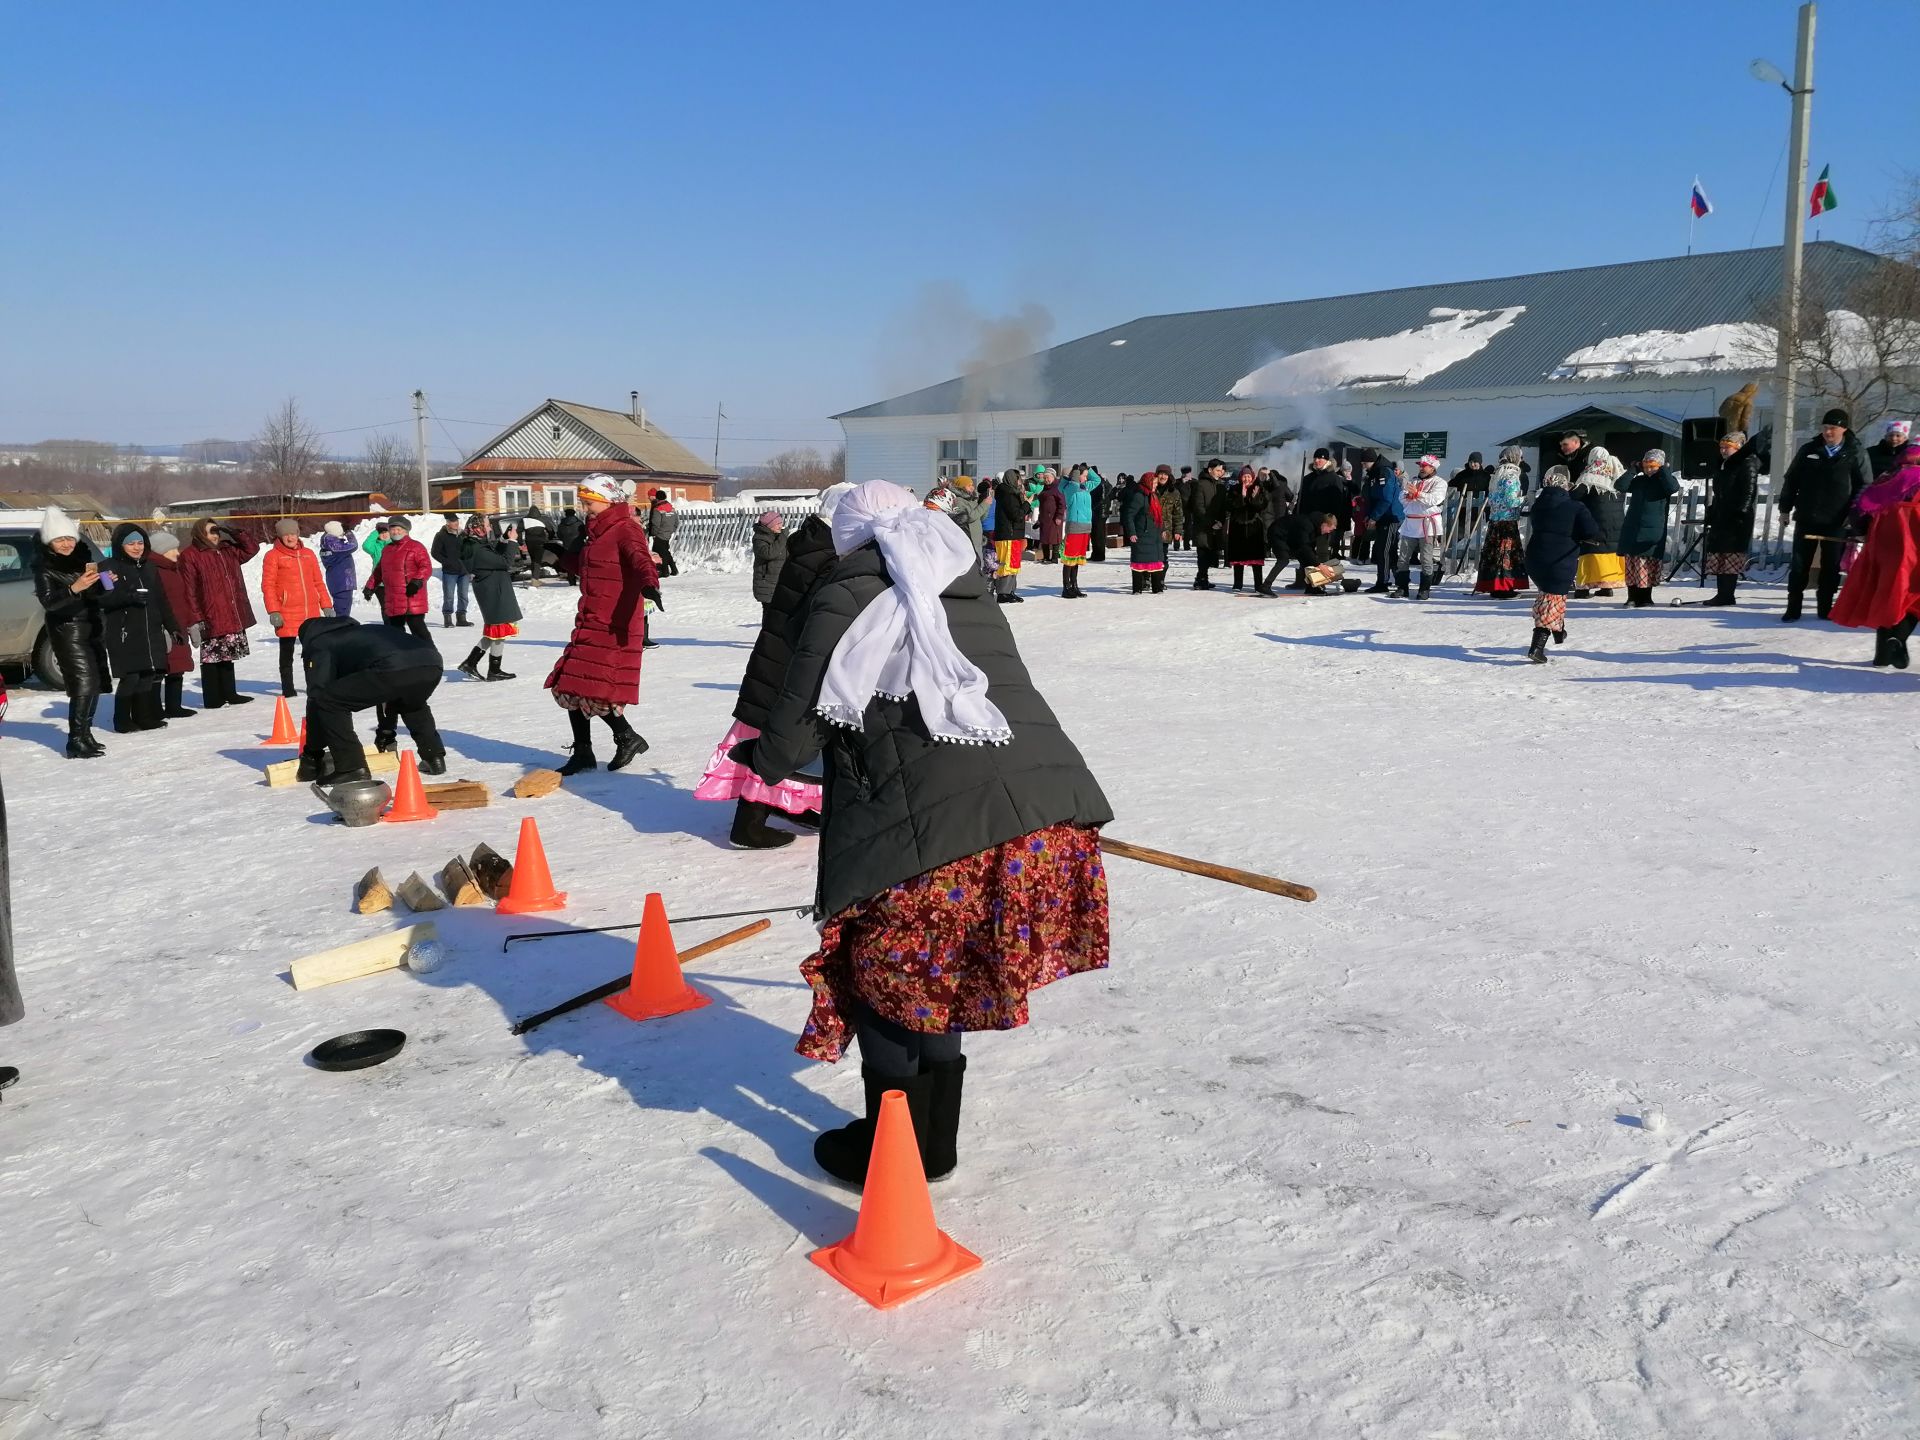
{"points": [[997, 357]]}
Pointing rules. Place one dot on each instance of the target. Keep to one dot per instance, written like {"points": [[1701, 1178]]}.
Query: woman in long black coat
{"points": [[490, 565], [1562, 528], [1733, 494], [66, 581], [1143, 517], [138, 628], [1247, 517]]}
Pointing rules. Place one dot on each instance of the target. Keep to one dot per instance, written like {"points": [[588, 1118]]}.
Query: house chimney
{"points": [[633, 404]]}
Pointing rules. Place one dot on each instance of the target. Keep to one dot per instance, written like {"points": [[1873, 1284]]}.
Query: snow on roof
{"points": [[1743, 345], [1404, 358]]}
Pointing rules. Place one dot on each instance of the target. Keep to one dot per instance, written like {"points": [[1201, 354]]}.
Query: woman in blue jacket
{"points": [[1561, 525], [1078, 493]]}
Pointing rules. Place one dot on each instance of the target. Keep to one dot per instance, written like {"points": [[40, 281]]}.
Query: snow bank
{"points": [[1404, 358]]}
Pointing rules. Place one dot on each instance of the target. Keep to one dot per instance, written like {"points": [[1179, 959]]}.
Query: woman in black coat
{"points": [[1143, 517], [960, 860], [66, 581], [1733, 495], [489, 565], [1247, 516], [138, 628], [1562, 529], [1010, 511]]}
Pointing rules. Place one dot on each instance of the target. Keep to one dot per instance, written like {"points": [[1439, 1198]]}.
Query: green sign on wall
{"points": [[1424, 442]]}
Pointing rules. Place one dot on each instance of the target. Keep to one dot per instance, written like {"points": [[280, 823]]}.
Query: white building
{"points": [[1638, 355]]}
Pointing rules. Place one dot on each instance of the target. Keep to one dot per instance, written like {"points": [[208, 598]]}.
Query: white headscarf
{"points": [[900, 644], [831, 497], [1602, 470], [602, 486]]}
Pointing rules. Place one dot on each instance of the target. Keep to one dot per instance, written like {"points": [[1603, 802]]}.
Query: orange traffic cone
{"points": [[657, 988], [409, 795], [531, 888], [896, 1251], [283, 731]]}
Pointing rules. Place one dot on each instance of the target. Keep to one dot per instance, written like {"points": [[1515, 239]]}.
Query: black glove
{"points": [[658, 603], [742, 754], [413, 586], [228, 531], [366, 592]]}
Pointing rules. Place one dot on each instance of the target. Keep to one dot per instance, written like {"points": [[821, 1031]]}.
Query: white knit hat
{"points": [[55, 525], [335, 529]]}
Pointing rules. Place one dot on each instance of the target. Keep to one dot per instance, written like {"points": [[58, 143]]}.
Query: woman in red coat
{"points": [[217, 594], [401, 576], [163, 548], [599, 671], [1883, 585]]}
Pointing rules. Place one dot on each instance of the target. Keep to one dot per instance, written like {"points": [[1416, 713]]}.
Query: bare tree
{"points": [[387, 465], [286, 450], [805, 469]]}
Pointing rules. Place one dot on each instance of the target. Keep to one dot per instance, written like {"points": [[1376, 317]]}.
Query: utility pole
{"points": [[420, 447], [719, 414], [1784, 395]]}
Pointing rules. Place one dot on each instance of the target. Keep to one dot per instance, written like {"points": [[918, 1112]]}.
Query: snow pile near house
{"points": [[1404, 358], [1741, 346]]}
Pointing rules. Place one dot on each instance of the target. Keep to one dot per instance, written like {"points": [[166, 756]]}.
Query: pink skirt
{"points": [[727, 779]]}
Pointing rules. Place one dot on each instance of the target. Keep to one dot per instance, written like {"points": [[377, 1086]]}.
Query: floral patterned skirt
{"points": [[1503, 560], [728, 779], [964, 945], [569, 701], [225, 649]]}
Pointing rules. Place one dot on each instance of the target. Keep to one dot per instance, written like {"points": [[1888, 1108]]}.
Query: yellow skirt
{"points": [[1600, 572]]}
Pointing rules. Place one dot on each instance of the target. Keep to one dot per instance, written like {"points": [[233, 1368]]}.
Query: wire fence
{"points": [[718, 534]]}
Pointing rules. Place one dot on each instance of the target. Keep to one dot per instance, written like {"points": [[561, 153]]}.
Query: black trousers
{"points": [[1205, 561], [1803, 553], [1382, 545], [416, 624], [394, 696], [895, 1050], [288, 643], [663, 552]]}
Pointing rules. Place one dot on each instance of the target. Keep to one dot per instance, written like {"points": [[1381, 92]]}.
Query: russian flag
{"points": [[1702, 207]]}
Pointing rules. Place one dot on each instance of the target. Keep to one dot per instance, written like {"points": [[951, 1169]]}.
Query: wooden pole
{"points": [[614, 987], [1248, 878]]}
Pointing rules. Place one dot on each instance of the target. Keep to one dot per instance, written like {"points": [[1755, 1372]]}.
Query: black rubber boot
{"points": [[1401, 580], [1426, 584], [806, 819], [126, 709], [146, 707], [1824, 599], [627, 742], [939, 1143], [433, 764], [470, 667], [1792, 612], [844, 1153], [175, 694], [1537, 652], [1882, 647], [1897, 643], [213, 690], [751, 832], [1723, 590], [582, 747], [494, 672]]}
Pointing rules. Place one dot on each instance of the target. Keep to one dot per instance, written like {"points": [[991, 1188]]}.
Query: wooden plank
{"points": [[1249, 878], [416, 894], [491, 871], [459, 795], [280, 774], [371, 894], [458, 883], [363, 957], [536, 784]]}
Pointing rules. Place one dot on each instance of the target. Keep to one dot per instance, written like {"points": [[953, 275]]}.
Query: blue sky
{"points": [[214, 205]]}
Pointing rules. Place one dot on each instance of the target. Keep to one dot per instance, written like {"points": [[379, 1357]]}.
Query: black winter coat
{"points": [[73, 621], [1882, 458], [1010, 510], [809, 558], [1296, 538], [769, 555], [1643, 534], [1207, 513], [491, 565], [1608, 511], [447, 551], [1820, 488], [1149, 541], [136, 623], [1562, 529], [899, 803], [1325, 492], [337, 646], [1733, 494]]}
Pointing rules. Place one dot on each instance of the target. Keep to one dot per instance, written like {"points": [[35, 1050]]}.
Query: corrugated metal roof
{"points": [[589, 433], [1195, 358]]}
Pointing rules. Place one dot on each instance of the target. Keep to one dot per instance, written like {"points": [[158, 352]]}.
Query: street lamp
{"points": [[1791, 255]]}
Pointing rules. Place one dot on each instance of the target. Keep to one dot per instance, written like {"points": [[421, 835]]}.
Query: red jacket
{"points": [[401, 561], [1883, 586], [173, 584], [602, 658], [291, 587], [215, 591]]}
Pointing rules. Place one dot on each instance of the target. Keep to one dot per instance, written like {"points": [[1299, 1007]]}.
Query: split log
{"points": [[492, 872], [363, 957], [416, 894], [458, 883], [371, 894], [459, 795], [281, 773], [536, 784]]}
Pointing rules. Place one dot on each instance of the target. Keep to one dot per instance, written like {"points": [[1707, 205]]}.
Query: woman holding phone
{"points": [[67, 581]]}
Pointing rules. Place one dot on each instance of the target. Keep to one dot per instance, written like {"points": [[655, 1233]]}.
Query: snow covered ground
{"points": [[1371, 1167]]}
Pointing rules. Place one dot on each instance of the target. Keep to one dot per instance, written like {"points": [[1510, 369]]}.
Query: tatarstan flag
{"points": [[1823, 197]]}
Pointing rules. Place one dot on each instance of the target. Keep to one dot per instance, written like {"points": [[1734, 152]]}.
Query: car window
{"points": [[13, 558]]}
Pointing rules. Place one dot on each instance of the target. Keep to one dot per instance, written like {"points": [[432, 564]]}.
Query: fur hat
{"points": [[335, 529], [162, 542], [286, 527], [56, 524], [400, 522], [1839, 417]]}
